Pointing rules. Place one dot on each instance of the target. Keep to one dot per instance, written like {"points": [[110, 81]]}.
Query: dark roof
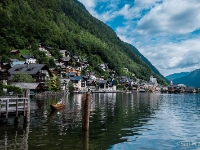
{"points": [[27, 56], [25, 85], [24, 68]]}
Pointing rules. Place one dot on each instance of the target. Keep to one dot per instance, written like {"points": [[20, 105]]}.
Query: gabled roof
{"points": [[25, 85], [25, 68], [27, 56]]}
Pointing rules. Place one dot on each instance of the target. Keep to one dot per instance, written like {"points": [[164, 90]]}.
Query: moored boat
{"points": [[57, 106]]}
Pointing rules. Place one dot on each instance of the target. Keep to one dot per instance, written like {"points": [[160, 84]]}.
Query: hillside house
{"points": [[62, 52], [67, 61], [5, 66], [78, 83], [40, 72], [4, 75], [75, 58], [15, 52], [103, 66]]}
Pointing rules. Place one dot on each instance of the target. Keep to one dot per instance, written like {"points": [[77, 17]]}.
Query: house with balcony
{"points": [[39, 72]]}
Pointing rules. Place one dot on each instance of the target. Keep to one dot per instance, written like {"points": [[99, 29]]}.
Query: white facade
{"points": [[154, 80]]}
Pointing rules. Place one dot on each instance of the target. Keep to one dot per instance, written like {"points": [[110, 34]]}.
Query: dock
{"points": [[16, 106]]}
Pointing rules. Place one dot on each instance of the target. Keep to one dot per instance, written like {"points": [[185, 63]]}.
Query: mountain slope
{"points": [[66, 24], [146, 61], [176, 75], [192, 79]]}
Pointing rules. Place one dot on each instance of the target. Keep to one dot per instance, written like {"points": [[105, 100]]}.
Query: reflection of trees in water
{"points": [[113, 116]]}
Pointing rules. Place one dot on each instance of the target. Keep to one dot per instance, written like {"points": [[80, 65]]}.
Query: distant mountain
{"points": [[176, 75], [192, 79]]}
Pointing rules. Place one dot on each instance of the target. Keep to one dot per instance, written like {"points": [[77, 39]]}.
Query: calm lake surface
{"points": [[118, 121]]}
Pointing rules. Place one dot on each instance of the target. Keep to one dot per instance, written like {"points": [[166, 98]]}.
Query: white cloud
{"points": [[171, 17], [162, 30]]}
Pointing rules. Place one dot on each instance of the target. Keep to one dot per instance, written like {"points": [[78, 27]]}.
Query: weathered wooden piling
{"points": [[85, 111], [85, 140]]}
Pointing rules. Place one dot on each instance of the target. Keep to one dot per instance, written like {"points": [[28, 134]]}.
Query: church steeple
{"points": [[171, 83]]}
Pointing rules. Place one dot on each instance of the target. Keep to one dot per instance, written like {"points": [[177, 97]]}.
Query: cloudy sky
{"points": [[166, 32]]}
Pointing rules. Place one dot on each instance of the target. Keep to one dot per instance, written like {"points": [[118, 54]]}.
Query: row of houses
{"points": [[69, 68]]}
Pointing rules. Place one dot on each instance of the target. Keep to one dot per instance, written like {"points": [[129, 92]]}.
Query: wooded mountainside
{"points": [[66, 24]]}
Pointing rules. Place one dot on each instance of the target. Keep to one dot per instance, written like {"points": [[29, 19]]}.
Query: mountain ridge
{"points": [[67, 25], [191, 79], [176, 75]]}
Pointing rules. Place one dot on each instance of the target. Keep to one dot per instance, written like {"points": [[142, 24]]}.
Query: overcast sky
{"points": [[166, 32]]}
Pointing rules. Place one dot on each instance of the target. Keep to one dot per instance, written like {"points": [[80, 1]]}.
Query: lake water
{"points": [[118, 121]]}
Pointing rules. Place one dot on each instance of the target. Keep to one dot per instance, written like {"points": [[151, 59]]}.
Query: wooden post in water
{"points": [[85, 111], [85, 140], [7, 104], [27, 112], [0, 107], [17, 119]]}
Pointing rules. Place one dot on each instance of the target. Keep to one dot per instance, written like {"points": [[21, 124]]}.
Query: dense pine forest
{"points": [[67, 25]]}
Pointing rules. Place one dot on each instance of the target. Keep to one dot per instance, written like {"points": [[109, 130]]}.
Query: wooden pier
{"points": [[17, 106]]}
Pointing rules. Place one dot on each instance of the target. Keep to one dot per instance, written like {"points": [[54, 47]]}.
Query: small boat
{"points": [[57, 106]]}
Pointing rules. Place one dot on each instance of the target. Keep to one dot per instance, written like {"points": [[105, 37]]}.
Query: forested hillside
{"points": [[66, 24]]}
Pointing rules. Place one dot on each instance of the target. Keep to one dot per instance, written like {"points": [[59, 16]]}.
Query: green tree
{"points": [[21, 77], [1, 88], [14, 89], [71, 86], [58, 83], [48, 84]]}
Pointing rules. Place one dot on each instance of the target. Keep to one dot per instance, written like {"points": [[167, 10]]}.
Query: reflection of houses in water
{"points": [[19, 140]]}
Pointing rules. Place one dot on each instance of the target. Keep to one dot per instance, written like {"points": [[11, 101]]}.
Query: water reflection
{"points": [[117, 121]]}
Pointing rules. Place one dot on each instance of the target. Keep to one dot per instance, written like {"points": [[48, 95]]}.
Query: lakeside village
{"points": [[70, 75]]}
